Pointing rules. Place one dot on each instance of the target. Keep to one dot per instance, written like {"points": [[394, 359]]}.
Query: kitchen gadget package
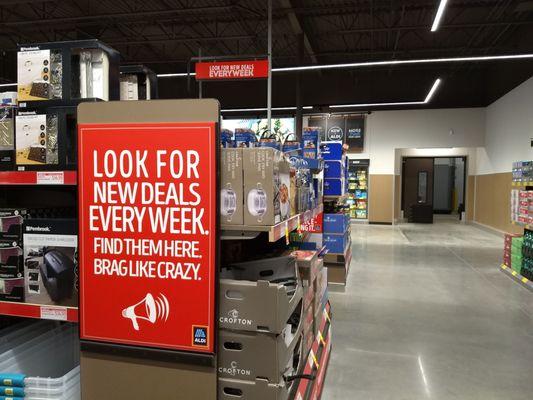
{"points": [[40, 74], [7, 137], [51, 261]]}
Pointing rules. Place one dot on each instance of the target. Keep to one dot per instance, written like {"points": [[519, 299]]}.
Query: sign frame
{"points": [[203, 70]]}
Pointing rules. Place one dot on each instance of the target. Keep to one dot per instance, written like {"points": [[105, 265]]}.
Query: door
{"points": [[417, 197]]}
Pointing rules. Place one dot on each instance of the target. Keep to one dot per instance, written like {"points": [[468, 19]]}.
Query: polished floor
{"points": [[427, 314]]}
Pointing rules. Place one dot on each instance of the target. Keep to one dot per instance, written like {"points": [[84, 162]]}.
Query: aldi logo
{"points": [[199, 336]]}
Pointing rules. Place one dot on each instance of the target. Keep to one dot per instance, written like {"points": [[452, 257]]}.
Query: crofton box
{"points": [[231, 187], [336, 223], [259, 295], [259, 389], [336, 242], [331, 151], [251, 355], [334, 169], [266, 186], [334, 187]]}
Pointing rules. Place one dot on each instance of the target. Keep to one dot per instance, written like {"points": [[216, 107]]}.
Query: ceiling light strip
{"points": [[438, 16], [8, 84]]}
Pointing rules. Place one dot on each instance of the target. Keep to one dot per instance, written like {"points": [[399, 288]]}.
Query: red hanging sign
{"points": [[231, 70], [147, 198]]}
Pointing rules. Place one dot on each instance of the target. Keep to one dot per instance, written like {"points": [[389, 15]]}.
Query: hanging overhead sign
{"points": [[231, 70], [148, 202]]}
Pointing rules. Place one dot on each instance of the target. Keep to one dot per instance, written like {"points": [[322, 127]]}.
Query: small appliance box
{"points": [[11, 272], [311, 142], [332, 151], [7, 138], [336, 223], [334, 169], [51, 261], [46, 141], [11, 225], [336, 243], [334, 187], [266, 186], [231, 192]]}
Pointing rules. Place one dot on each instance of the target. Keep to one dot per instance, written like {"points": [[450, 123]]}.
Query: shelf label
{"points": [[54, 313], [50, 178]]}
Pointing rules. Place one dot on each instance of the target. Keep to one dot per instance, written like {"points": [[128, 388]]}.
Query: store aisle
{"points": [[427, 314]]}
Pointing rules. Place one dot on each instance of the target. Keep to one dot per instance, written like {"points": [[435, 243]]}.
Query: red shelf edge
{"points": [[30, 177], [25, 310]]}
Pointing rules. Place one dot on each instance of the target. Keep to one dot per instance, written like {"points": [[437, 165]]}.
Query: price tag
{"points": [[54, 313], [287, 233], [50, 178]]}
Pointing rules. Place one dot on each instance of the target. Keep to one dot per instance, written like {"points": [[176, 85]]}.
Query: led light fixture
{"points": [[438, 16]]}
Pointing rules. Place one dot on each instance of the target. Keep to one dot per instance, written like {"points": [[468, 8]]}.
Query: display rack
{"points": [[38, 311], [517, 277], [38, 178]]}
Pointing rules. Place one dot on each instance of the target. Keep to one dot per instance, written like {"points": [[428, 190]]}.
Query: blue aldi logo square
{"points": [[199, 336]]}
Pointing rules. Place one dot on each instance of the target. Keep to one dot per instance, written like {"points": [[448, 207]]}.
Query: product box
{"points": [[258, 389], [259, 295], [245, 138], [332, 151], [137, 82], [51, 261], [226, 139], [336, 242], [46, 141], [65, 71], [8, 98], [11, 272], [11, 224], [7, 137], [334, 187], [231, 184], [336, 223], [308, 265], [311, 142], [321, 288], [266, 186], [334, 169], [308, 298], [251, 355]]}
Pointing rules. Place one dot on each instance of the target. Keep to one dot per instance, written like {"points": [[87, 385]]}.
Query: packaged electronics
{"points": [[332, 151], [65, 71], [7, 137], [266, 186], [259, 295], [311, 142], [245, 138], [46, 140], [11, 272], [51, 260], [137, 82], [231, 183]]}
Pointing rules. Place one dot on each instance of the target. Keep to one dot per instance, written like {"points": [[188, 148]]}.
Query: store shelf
{"points": [[526, 226], [517, 277], [275, 232], [522, 184], [38, 311], [38, 178]]}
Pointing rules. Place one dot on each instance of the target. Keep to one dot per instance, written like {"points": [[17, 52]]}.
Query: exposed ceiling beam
{"points": [[298, 29]]}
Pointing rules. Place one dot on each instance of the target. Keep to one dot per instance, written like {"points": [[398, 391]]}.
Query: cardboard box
{"points": [[51, 261], [308, 339], [7, 138], [334, 169], [332, 151], [334, 187], [266, 186], [336, 223], [231, 184], [321, 288], [259, 389], [337, 243], [308, 265], [244, 138], [311, 142], [259, 295], [11, 272], [251, 355], [308, 297]]}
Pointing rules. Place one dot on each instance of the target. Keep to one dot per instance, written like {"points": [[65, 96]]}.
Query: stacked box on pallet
{"points": [[525, 207], [515, 204], [507, 246], [527, 252], [334, 168], [260, 313], [516, 253]]}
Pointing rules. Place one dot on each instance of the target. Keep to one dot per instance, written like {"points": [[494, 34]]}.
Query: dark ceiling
{"points": [[165, 34]]}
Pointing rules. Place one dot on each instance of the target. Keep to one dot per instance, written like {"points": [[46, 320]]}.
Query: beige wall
{"points": [[380, 197], [493, 201]]}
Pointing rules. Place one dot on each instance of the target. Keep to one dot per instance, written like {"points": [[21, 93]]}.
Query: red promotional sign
{"points": [[231, 70], [147, 199]]}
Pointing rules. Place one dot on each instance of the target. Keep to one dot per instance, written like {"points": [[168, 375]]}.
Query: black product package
{"points": [[11, 272], [51, 261], [7, 137], [11, 220]]}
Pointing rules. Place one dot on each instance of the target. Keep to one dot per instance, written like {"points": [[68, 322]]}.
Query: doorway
{"points": [[433, 185]]}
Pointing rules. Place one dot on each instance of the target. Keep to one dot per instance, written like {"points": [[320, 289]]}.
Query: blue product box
{"points": [[226, 138], [336, 223], [311, 142], [244, 138], [336, 243], [334, 169], [334, 187], [331, 151]]}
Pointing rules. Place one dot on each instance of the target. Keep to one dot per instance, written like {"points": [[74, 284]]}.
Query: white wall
{"points": [[509, 129], [391, 130]]}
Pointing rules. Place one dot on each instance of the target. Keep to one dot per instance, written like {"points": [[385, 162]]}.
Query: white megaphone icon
{"points": [[148, 309]]}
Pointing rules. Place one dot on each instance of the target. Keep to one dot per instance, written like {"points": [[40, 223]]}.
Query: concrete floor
{"points": [[427, 314]]}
